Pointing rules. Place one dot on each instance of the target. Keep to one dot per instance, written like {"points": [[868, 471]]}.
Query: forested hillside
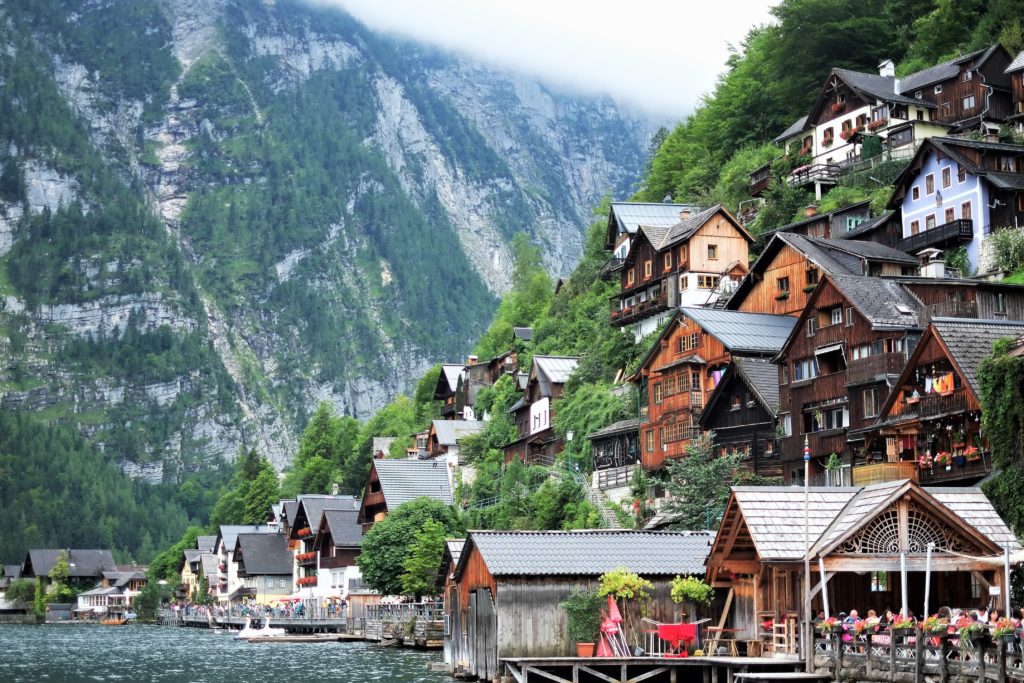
{"points": [[215, 214]]}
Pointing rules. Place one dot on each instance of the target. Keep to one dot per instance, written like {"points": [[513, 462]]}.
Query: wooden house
{"points": [[791, 265], [625, 218], [303, 527], [533, 414], [393, 482], [455, 634], [265, 567], [956, 192], [826, 226], [507, 585], [886, 229], [447, 389], [337, 545], [860, 535], [684, 365], [930, 423], [960, 94], [615, 446], [85, 567], [445, 435], [682, 265], [113, 596], [1016, 73], [743, 412], [835, 367], [228, 579]]}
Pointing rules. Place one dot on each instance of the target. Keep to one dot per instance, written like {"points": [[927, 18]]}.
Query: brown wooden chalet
{"points": [[339, 538], [834, 368], [790, 267], [625, 218], [1016, 73], [305, 524], [615, 446], [393, 482], [827, 226], [682, 265], [534, 415], [685, 364], [743, 411], [886, 229], [930, 425], [448, 390], [859, 533]]}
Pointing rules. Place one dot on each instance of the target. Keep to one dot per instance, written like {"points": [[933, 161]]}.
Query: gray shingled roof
{"points": [[206, 543], [344, 527], [12, 571], [763, 379], [743, 332], [450, 432], [630, 215], [844, 256], [210, 564], [450, 373], [798, 126], [878, 300], [1017, 64], [553, 370], [454, 546], [940, 72], [867, 226], [620, 427], [229, 532], [774, 514], [877, 87], [311, 507], [83, 563], [970, 341], [405, 480], [290, 508], [590, 553], [265, 554], [524, 333], [192, 554]]}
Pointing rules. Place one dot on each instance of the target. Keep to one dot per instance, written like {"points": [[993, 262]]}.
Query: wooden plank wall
{"points": [[730, 246], [787, 263]]}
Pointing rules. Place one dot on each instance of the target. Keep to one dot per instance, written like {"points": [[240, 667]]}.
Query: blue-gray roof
{"points": [[450, 432], [798, 126], [404, 480], [1017, 64], [590, 552], [743, 332], [631, 215]]}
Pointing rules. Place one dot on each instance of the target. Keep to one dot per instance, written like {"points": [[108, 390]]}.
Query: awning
{"points": [[829, 348]]}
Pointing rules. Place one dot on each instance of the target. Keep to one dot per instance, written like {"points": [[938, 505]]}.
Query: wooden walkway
{"points": [[637, 669], [292, 625]]}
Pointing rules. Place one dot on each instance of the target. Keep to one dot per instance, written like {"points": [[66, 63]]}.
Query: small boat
{"points": [[247, 630], [114, 621], [268, 632]]}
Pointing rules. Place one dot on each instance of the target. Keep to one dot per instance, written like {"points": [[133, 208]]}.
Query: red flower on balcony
{"points": [[838, 107], [305, 531], [827, 142], [877, 123], [307, 581], [848, 133], [302, 557]]}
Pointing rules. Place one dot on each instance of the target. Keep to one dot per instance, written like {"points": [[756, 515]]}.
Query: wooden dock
{"points": [[650, 669]]}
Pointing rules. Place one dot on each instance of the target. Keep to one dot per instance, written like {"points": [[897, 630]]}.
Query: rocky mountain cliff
{"points": [[215, 213]]}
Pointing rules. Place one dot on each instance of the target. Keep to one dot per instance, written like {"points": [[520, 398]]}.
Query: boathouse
{"points": [[503, 599], [867, 539]]}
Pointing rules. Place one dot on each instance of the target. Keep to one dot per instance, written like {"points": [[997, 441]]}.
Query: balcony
{"points": [[874, 367], [948, 234], [760, 179], [816, 173], [306, 558], [611, 267], [942, 474], [829, 334], [883, 472], [639, 310], [824, 443], [817, 390], [935, 405], [951, 309]]}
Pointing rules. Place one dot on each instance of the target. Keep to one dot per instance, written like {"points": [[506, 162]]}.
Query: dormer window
{"points": [[918, 95], [938, 89], [968, 75]]}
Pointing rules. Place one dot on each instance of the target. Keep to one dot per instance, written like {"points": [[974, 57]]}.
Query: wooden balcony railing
{"points": [[824, 443], [879, 473], [812, 174], [611, 267], [954, 472], [874, 367], [821, 388], [830, 334], [959, 231], [950, 309], [934, 405], [639, 310]]}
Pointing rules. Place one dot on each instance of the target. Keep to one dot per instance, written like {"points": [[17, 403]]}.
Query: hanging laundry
{"points": [[927, 385], [716, 377]]}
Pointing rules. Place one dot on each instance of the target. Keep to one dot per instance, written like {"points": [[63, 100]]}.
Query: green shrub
{"points": [[1008, 245]]}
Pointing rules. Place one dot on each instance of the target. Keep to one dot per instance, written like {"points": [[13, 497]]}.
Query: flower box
{"points": [[972, 454], [848, 133], [878, 123], [943, 458], [779, 296], [838, 107], [827, 142]]}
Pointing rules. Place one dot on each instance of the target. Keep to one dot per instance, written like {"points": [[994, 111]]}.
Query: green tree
{"points": [[388, 543], [166, 565], [424, 560], [149, 599], [21, 591], [698, 484]]}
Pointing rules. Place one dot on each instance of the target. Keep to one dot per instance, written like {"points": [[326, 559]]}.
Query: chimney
{"points": [[472, 360], [932, 263], [334, 489], [887, 68], [684, 214], [811, 210]]}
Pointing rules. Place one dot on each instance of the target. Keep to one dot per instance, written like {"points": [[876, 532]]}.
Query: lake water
{"points": [[164, 653]]}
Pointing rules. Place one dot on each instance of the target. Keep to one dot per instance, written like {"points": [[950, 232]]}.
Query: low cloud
{"points": [[652, 55]]}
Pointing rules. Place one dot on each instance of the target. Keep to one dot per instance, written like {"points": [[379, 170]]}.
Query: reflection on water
{"points": [[161, 653]]}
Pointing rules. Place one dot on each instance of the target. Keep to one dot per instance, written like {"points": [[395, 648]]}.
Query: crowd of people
{"points": [[981, 624], [291, 609]]}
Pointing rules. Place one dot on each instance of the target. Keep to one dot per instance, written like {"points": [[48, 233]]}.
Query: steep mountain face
{"points": [[215, 213]]}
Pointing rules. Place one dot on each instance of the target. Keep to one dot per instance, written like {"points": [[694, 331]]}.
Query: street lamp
{"points": [[808, 635]]}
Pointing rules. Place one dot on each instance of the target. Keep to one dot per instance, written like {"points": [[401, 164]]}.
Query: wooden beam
{"points": [[650, 674], [725, 610], [982, 579], [527, 670], [598, 674], [821, 584], [516, 674]]}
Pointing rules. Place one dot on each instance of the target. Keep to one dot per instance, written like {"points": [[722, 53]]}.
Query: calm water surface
{"points": [[163, 653]]}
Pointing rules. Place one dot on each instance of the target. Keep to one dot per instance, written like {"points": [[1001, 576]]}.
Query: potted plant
{"points": [[1004, 630], [583, 619], [628, 587], [943, 458], [958, 439], [935, 626], [902, 624], [959, 459], [972, 454], [970, 633], [830, 625], [692, 590], [779, 296]]}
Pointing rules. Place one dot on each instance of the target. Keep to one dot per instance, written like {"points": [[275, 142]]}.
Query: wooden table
{"points": [[726, 636]]}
